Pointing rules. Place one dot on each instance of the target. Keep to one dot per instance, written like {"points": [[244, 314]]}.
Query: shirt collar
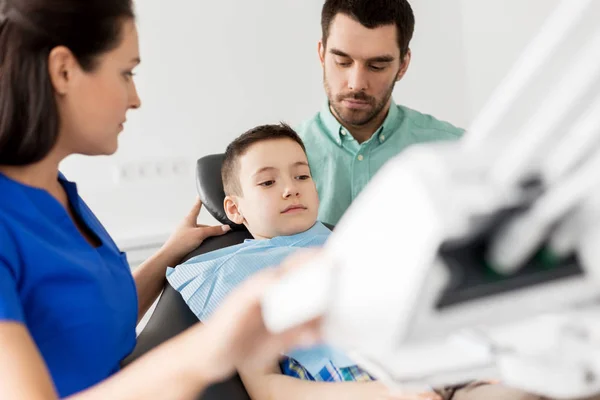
{"points": [[317, 229], [339, 134]]}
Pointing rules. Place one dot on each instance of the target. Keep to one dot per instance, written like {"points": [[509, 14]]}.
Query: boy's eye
{"points": [[128, 74], [266, 183], [303, 177]]}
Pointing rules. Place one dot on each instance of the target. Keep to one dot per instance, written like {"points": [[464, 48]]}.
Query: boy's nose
{"points": [[291, 191]]}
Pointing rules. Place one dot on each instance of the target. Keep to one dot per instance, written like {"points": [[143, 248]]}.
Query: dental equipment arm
{"points": [[488, 263]]}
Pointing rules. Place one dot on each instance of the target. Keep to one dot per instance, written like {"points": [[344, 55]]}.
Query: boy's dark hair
{"points": [[29, 30], [373, 14], [237, 148]]}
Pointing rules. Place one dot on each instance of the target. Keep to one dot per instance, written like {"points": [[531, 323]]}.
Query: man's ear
{"points": [[404, 66], [62, 66], [232, 210], [321, 49]]}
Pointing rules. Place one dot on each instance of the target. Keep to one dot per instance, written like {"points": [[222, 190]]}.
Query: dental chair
{"points": [[172, 315]]}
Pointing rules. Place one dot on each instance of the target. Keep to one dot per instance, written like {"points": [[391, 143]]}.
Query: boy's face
{"points": [[279, 197]]}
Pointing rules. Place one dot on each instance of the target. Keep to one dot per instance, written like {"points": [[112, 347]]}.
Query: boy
{"points": [[269, 189]]}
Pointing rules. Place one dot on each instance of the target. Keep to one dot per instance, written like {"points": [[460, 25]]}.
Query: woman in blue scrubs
{"points": [[68, 301]]}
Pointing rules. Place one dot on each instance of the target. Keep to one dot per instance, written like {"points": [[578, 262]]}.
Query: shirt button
{"points": [[343, 132], [360, 157], [381, 138]]}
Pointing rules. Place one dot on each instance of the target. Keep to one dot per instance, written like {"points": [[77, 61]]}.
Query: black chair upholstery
{"points": [[210, 188], [172, 316]]}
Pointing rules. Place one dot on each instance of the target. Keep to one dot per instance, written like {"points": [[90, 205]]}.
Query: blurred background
{"points": [[212, 70]]}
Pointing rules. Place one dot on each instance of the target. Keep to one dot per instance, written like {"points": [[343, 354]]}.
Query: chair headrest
{"points": [[210, 187]]}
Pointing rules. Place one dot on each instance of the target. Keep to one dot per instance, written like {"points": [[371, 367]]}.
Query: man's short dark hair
{"points": [[237, 148], [373, 14]]}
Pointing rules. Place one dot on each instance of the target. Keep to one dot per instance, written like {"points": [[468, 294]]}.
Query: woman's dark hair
{"points": [[29, 30]]}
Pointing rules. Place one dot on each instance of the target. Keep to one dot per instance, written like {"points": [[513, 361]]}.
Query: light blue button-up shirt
{"points": [[341, 167], [204, 281]]}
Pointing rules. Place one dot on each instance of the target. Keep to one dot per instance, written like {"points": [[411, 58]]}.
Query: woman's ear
{"points": [[232, 210], [61, 67]]}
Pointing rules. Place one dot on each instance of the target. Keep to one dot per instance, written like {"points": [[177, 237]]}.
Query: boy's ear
{"points": [[232, 210]]}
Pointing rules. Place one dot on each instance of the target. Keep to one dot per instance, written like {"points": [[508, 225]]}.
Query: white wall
{"points": [[495, 33], [209, 72], [436, 80], [212, 70]]}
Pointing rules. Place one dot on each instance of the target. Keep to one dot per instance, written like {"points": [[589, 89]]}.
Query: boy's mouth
{"points": [[293, 208]]}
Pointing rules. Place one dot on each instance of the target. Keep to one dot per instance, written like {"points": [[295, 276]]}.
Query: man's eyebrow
{"points": [[382, 59], [337, 52]]}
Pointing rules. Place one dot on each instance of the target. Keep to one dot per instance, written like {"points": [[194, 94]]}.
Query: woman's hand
{"points": [[237, 335], [189, 235]]}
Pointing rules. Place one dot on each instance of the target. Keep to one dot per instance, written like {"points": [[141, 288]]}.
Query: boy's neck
{"points": [[259, 237]]}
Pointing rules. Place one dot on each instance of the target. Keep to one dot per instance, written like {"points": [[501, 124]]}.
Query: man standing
{"points": [[364, 51]]}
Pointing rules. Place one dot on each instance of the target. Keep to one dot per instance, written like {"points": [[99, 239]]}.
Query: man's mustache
{"points": [[361, 96]]}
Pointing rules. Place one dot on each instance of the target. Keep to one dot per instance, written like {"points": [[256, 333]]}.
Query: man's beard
{"points": [[357, 117]]}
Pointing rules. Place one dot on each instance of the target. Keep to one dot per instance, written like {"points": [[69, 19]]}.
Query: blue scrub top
{"points": [[79, 303]]}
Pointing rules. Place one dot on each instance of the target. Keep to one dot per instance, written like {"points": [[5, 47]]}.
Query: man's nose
{"points": [[357, 78]]}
